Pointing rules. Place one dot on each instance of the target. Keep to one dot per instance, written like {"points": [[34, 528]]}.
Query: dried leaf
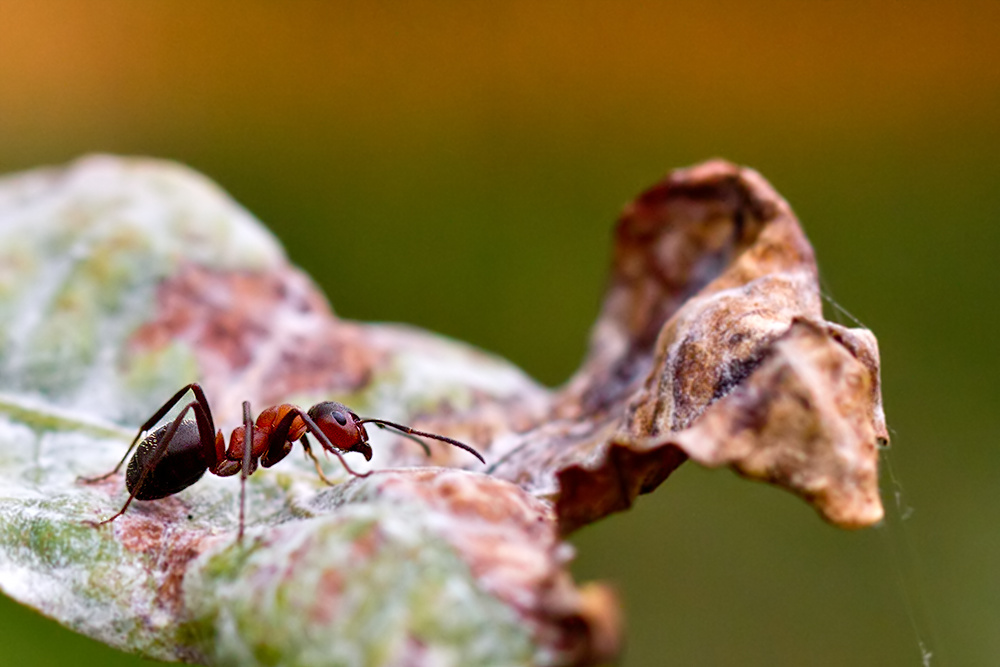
{"points": [[121, 281], [700, 351]]}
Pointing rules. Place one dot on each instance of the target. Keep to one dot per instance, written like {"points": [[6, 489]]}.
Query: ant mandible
{"points": [[176, 455]]}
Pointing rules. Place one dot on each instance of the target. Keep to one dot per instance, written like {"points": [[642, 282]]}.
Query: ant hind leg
{"points": [[161, 449], [200, 399]]}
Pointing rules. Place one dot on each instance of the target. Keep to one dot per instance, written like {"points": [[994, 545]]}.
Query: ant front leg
{"points": [[278, 438], [200, 399], [307, 448], [247, 459]]}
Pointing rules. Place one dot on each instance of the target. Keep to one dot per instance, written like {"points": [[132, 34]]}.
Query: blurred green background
{"points": [[459, 166]]}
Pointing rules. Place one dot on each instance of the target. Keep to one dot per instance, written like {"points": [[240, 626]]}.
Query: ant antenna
{"points": [[407, 431], [424, 445]]}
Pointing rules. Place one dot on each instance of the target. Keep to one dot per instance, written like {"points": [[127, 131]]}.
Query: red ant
{"points": [[176, 455]]}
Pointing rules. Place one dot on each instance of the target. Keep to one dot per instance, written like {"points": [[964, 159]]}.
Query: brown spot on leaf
{"points": [[180, 548], [139, 532], [169, 546]]}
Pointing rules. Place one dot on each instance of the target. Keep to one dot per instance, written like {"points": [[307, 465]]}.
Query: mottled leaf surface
{"points": [[122, 280]]}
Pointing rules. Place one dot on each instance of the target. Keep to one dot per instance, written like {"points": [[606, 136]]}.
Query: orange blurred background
{"points": [[459, 166]]}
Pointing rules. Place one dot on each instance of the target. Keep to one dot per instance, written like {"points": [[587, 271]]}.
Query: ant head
{"points": [[342, 427]]}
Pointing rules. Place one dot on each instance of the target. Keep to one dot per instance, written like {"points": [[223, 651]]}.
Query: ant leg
{"points": [[308, 450], [409, 436], [280, 435], [200, 398], [161, 449], [412, 431], [247, 457]]}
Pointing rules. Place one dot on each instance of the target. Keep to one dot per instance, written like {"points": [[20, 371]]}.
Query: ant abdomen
{"points": [[180, 466]]}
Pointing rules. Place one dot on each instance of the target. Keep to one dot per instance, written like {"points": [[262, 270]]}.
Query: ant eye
{"points": [[340, 417]]}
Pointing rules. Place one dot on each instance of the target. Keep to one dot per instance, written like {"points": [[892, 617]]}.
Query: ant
{"points": [[176, 455]]}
